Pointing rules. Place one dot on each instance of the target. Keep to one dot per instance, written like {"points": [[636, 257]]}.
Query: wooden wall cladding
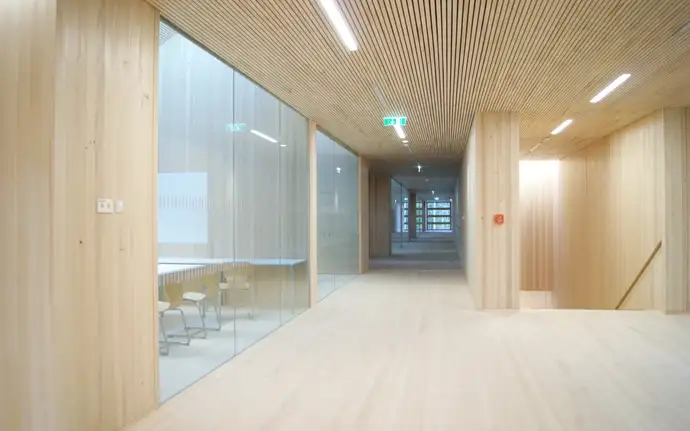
{"points": [[676, 131], [538, 205], [469, 215], [26, 132], [610, 218], [78, 288]]}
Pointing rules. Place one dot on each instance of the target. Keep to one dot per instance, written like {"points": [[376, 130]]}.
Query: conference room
{"points": [[232, 212]]}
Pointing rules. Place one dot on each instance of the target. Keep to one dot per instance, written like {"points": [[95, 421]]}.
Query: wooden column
{"points": [[78, 112], [379, 215], [492, 182], [676, 171]]}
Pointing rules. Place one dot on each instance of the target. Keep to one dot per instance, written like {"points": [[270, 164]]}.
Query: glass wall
{"points": [[338, 225], [232, 213]]}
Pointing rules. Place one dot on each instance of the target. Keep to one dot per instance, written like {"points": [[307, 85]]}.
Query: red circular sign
{"points": [[499, 218]]}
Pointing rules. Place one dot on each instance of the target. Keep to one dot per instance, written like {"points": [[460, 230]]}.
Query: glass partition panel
{"points": [[232, 213], [338, 202]]}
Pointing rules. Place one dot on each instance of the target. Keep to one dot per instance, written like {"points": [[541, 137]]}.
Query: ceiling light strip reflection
{"points": [[261, 135]]}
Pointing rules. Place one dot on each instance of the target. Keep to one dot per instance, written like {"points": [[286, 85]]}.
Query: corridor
{"points": [[430, 250], [404, 350]]}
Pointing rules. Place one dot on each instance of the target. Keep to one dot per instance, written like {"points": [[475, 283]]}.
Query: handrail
{"points": [[639, 275]]}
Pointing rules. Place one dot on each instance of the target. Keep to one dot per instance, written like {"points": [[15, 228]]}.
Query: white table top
{"points": [[167, 268], [211, 261]]}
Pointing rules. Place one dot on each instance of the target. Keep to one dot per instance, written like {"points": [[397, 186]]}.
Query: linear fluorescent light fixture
{"points": [[261, 135], [399, 130], [335, 16], [609, 88], [561, 126]]}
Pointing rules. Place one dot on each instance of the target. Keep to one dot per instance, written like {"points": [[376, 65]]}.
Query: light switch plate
{"points": [[119, 206], [104, 206]]}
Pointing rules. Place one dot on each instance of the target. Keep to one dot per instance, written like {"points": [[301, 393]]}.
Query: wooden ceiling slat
{"points": [[438, 62], [405, 75], [414, 52]]}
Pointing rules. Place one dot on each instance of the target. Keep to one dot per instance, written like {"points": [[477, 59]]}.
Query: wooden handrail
{"points": [[639, 275]]}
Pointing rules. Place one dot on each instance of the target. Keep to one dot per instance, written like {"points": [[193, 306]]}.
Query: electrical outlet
{"points": [[105, 206]]}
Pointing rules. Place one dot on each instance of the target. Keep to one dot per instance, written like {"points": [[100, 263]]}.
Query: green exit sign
{"points": [[394, 121]]}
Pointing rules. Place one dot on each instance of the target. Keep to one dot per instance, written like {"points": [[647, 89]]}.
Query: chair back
{"points": [[173, 294], [211, 283]]}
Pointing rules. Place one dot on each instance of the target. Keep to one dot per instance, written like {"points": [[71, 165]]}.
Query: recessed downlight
{"points": [[405, 141], [609, 88], [561, 127]]}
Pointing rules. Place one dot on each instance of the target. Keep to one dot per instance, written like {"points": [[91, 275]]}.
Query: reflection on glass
{"points": [[232, 212], [338, 236]]}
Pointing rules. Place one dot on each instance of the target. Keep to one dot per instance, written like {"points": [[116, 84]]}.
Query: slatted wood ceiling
{"points": [[438, 62]]}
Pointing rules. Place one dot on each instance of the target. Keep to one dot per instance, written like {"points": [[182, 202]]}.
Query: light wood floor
{"points": [[405, 351]]}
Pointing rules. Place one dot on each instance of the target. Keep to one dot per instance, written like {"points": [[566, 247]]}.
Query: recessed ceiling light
{"points": [[335, 16], [405, 141], [562, 126], [261, 135], [419, 168], [399, 130], [433, 192], [406, 145], [609, 88], [436, 198], [283, 145]]}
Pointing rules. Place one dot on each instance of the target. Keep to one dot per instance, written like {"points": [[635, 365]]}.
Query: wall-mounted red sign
{"points": [[499, 219]]}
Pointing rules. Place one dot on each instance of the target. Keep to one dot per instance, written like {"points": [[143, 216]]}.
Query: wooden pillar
{"points": [[491, 167], [676, 172], [79, 109], [380, 223]]}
